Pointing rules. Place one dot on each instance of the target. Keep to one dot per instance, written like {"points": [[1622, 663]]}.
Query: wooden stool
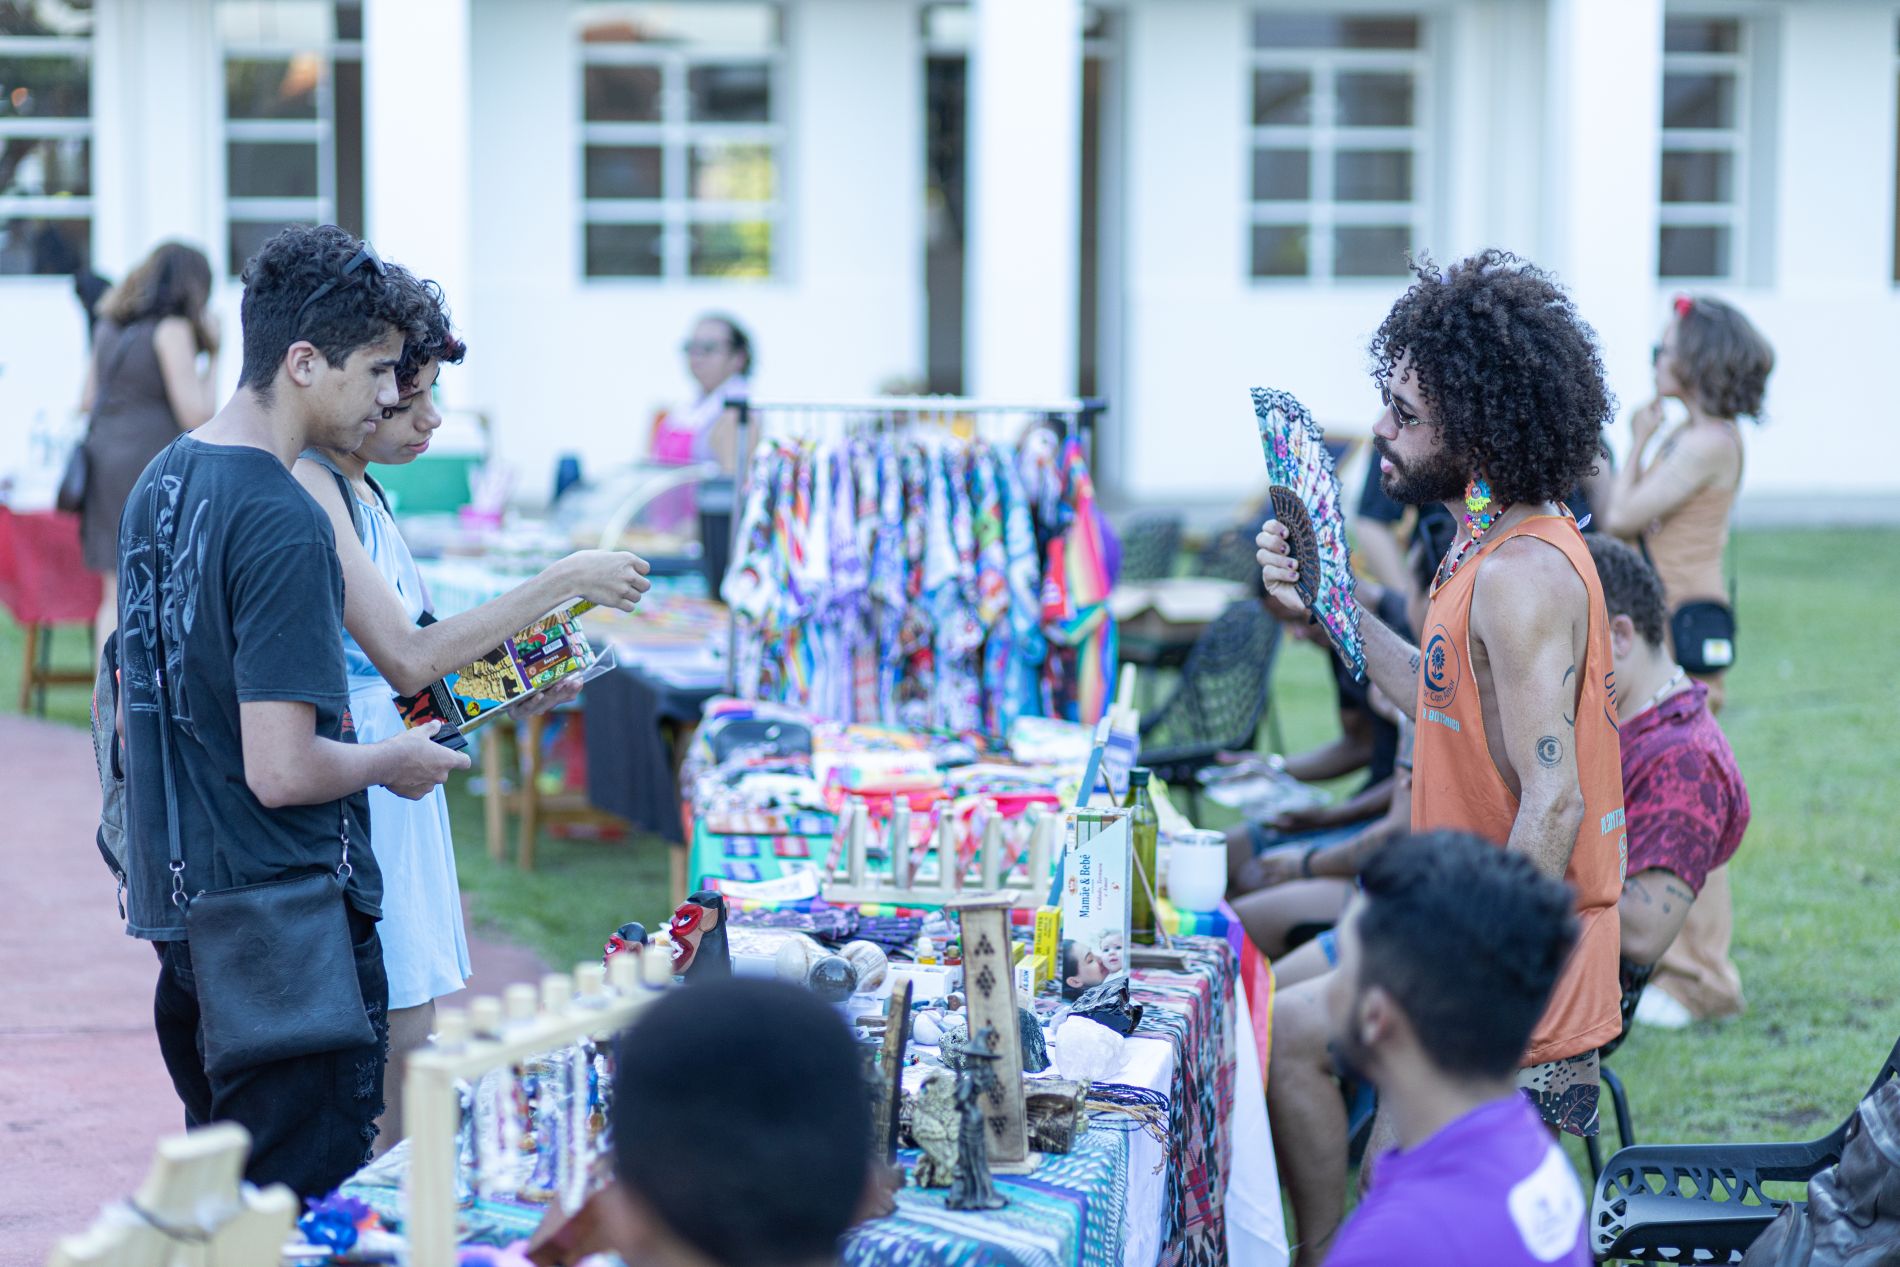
{"points": [[526, 800], [38, 672]]}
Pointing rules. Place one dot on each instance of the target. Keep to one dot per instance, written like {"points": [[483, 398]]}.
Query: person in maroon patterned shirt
{"points": [[1686, 805]]}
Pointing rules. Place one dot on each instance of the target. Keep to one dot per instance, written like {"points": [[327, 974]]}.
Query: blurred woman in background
{"points": [[1675, 505], [143, 387], [719, 357]]}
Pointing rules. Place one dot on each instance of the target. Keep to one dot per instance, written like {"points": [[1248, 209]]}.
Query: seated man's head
{"points": [[1447, 957], [1634, 599], [325, 321], [742, 1129], [1487, 370]]}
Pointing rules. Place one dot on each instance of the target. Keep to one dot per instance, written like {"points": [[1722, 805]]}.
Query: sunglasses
{"points": [[703, 347], [1404, 416], [365, 257]]}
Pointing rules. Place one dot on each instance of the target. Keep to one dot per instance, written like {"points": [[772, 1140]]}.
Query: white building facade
{"points": [[1161, 202]]}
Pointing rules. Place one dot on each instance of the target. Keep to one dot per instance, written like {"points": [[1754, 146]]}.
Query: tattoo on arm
{"points": [[1549, 751], [1570, 719], [1412, 664]]}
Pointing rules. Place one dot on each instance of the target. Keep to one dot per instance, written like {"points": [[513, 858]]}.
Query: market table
{"points": [[44, 582], [1209, 1194]]}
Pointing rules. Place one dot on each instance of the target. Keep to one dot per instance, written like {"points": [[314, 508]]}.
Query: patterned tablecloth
{"points": [[1210, 1196]]}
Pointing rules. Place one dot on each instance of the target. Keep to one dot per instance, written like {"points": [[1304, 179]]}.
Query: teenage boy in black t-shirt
{"points": [[250, 600]]}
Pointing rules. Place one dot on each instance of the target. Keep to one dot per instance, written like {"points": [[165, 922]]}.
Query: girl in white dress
{"points": [[425, 950]]}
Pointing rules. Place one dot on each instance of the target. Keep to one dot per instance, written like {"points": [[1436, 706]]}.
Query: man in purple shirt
{"points": [[1447, 957]]}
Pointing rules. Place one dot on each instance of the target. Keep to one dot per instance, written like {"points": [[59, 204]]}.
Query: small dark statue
{"points": [[970, 1186]]}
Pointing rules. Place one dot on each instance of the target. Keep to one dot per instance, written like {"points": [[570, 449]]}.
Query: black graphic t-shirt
{"points": [[251, 596]]}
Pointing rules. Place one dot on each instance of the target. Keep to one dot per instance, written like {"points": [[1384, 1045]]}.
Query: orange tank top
{"points": [[1456, 784]]}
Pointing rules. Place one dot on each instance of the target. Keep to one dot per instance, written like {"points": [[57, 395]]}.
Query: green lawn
{"points": [[1810, 713]]}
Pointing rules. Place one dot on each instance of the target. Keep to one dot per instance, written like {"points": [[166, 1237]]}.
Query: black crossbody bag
{"points": [[1702, 631], [274, 965]]}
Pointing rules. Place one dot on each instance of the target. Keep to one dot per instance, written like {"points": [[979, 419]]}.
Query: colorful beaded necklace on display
{"points": [[1480, 514]]}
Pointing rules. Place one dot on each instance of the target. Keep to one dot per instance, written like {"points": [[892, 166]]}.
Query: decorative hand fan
{"points": [[1305, 496]]}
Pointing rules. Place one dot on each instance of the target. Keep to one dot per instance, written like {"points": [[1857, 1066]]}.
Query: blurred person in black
{"points": [[730, 1151]]}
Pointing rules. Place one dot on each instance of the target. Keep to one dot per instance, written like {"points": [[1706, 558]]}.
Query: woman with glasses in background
{"points": [[719, 357]]}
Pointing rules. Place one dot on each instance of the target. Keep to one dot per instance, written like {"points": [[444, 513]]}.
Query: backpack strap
{"points": [[343, 486]]}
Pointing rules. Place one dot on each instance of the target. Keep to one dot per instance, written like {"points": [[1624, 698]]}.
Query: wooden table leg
{"points": [[29, 673], [494, 797], [528, 735]]}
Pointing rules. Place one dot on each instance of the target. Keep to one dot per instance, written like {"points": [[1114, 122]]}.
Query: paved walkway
{"points": [[83, 1093]]}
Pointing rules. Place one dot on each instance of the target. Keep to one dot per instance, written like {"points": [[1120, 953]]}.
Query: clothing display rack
{"points": [[880, 544]]}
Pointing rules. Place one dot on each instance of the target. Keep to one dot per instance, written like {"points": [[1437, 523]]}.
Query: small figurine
{"points": [[627, 937], [934, 1129], [1109, 1004], [698, 930], [970, 1186]]}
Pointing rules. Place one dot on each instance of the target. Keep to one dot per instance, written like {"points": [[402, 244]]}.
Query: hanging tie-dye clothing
{"points": [[1075, 610], [882, 580]]}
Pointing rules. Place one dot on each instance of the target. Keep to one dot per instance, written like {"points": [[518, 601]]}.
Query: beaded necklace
{"points": [[1480, 514]]}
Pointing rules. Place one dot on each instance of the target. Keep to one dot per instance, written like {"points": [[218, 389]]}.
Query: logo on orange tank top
{"points": [[1442, 668]]}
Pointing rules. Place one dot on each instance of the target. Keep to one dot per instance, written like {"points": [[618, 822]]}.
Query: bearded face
{"points": [[1436, 475]]}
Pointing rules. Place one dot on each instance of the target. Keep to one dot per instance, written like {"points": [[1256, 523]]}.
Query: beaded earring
{"points": [[1478, 513]]}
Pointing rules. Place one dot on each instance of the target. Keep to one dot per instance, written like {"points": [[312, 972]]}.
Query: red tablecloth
{"points": [[43, 579]]}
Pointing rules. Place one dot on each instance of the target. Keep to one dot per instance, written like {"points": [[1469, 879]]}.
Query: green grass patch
{"points": [[1810, 714]]}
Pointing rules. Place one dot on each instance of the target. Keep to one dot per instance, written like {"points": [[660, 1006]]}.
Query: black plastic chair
{"points": [[1704, 1203], [1633, 978], [1150, 545], [1219, 701], [1230, 556]]}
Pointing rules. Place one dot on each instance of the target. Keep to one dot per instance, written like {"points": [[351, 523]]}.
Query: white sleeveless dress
{"points": [[425, 950]]}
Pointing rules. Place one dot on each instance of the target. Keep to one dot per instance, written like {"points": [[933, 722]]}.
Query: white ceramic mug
{"points": [[1197, 870]]}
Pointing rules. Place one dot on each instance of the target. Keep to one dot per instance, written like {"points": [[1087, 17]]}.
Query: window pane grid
{"points": [[681, 169], [1337, 151], [46, 188], [1703, 159], [284, 101]]}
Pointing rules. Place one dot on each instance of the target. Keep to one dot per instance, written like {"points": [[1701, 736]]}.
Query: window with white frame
{"points": [[293, 118], [1705, 127], [682, 139], [45, 135], [1337, 144]]}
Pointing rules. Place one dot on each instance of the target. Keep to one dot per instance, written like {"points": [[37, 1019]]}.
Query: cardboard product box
{"points": [[1097, 894]]}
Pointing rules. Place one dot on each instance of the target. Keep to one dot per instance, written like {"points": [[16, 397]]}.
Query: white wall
{"points": [[1833, 312], [1200, 333], [1547, 155], [569, 364]]}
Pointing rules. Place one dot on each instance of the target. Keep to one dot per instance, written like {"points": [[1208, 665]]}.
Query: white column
{"points": [[1605, 123], [418, 96], [1024, 165], [157, 98]]}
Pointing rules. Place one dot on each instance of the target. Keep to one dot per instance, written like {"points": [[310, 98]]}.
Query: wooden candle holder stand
{"points": [[593, 1002]]}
